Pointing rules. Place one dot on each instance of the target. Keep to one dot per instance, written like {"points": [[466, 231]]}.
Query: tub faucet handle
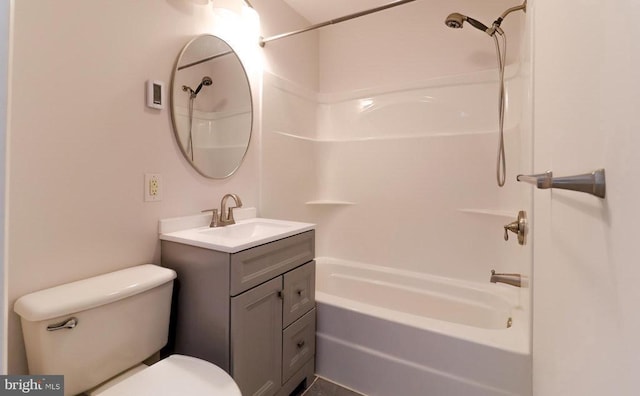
{"points": [[513, 227], [518, 227]]}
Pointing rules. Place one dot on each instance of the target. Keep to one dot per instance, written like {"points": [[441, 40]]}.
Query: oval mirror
{"points": [[211, 106]]}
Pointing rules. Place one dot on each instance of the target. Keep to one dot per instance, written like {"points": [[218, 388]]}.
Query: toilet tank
{"points": [[121, 317]]}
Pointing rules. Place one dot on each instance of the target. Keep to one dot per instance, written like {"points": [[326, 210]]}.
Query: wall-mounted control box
{"points": [[155, 94]]}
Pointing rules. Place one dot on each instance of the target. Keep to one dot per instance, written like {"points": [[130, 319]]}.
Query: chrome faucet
{"points": [[225, 216], [509, 279]]}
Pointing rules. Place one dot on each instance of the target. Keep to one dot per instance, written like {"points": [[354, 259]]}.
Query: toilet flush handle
{"points": [[65, 324]]}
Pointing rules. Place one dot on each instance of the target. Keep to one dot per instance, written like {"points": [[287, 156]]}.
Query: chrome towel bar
{"points": [[591, 183]]}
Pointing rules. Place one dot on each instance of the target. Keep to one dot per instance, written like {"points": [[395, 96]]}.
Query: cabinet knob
{"points": [[299, 292], [300, 344]]}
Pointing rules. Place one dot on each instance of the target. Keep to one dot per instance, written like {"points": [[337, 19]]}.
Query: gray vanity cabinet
{"points": [[251, 313]]}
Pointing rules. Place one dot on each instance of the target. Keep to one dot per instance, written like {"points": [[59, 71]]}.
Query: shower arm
{"points": [[522, 7], [495, 28]]}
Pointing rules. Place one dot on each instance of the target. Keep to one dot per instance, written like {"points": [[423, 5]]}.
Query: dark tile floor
{"points": [[322, 387]]}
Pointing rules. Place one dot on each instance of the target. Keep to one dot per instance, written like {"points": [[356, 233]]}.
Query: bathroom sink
{"points": [[253, 229], [233, 238]]}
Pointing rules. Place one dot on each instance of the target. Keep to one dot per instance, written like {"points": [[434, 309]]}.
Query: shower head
{"points": [[456, 20], [206, 81]]}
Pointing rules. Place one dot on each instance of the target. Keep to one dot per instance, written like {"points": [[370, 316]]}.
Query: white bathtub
{"points": [[386, 332]]}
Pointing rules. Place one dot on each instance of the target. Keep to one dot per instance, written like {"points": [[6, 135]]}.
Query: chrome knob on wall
{"points": [[518, 227]]}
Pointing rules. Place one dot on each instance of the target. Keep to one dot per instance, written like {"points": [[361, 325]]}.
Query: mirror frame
{"points": [[173, 115]]}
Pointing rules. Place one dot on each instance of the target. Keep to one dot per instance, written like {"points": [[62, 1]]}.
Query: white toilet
{"points": [[96, 332]]}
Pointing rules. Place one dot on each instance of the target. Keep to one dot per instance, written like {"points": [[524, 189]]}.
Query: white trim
{"points": [[6, 36]]}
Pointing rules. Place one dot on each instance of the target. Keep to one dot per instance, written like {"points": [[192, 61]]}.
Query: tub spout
{"points": [[509, 279]]}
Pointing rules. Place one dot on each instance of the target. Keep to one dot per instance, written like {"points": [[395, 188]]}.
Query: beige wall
{"points": [[411, 43], [81, 140], [295, 58], [586, 273]]}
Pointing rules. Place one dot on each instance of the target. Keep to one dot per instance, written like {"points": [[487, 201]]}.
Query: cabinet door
{"points": [[256, 339], [299, 292]]}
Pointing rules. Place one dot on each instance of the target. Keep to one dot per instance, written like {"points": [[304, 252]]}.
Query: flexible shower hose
{"points": [[501, 165], [190, 141]]}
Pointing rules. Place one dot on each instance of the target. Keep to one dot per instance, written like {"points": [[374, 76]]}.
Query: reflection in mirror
{"points": [[211, 106]]}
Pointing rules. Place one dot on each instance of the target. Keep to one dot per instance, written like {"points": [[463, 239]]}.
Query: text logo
{"points": [[39, 385]]}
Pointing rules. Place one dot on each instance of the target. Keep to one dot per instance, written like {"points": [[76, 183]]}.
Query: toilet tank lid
{"points": [[92, 292]]}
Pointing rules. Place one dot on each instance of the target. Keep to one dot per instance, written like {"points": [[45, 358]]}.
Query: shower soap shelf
{"points": [[591, 183], [488, 212], [329, 202]]}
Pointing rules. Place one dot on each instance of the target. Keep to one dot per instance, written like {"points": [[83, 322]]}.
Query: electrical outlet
{"points": [[152, 187]]}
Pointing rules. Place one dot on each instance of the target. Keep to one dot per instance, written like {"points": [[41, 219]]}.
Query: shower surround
{"points": [[394, 160], [397, 177], [403, 179]]}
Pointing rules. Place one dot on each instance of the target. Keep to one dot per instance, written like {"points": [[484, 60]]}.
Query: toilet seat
{"points": [[177, 375]]}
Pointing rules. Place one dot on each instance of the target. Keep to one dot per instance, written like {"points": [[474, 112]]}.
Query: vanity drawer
{"points": [[299, 293], [254, 266], [298, 344]]}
